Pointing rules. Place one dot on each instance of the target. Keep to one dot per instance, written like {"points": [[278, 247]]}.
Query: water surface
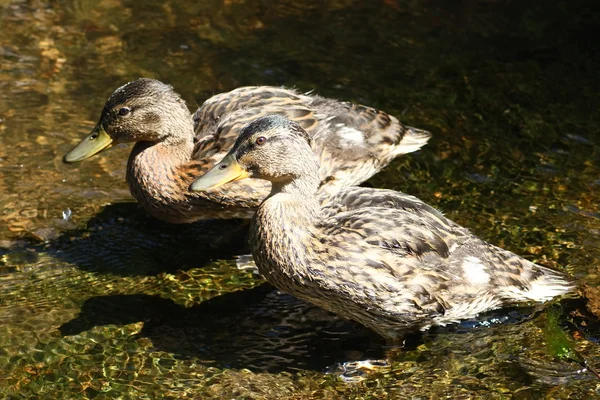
{"points": [[98, 300]]}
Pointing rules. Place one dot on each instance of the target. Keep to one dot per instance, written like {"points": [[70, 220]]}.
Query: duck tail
{"points": [[539, 284], [411, 139], [550, 285]]}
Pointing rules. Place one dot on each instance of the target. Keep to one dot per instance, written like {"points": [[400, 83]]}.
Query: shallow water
{"points": [[98, 300]]}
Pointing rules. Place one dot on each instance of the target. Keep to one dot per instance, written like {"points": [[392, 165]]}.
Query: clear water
{"points": [[98, 300]]}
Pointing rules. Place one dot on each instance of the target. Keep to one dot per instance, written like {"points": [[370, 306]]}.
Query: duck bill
{"points": [[93, 143], [227, 170]]}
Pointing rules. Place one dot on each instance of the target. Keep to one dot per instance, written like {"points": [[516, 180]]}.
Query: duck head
{"points": [[142, 110], [271, 148]]}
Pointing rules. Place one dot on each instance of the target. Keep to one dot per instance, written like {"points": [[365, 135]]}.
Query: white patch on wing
{"points": [[475, 271], [453, 247], [350, 135]]}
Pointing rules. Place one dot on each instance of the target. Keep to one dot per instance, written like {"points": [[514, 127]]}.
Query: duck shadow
{"points": [[123, 240], [260, 329], [265, 330]]}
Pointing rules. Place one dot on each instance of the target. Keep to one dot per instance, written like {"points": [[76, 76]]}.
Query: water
{"points": [[98, 300]]}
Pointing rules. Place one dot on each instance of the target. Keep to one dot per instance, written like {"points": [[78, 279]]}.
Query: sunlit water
{"points": [[98, 300]]}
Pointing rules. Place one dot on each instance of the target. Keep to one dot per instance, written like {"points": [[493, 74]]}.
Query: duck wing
{"points": [[422, 263], [358, 141], [389, 223], [218, 122], [353, 142]]}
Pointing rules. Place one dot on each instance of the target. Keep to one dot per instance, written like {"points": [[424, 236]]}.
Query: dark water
{"points": [[98, 300]]}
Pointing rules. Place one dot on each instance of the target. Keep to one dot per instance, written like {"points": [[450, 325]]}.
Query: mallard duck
{"points": [[380, 257], [352, 142]]}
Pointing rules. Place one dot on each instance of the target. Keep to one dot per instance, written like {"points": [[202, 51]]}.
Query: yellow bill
{"points": [[92, 144], [227, 170]]}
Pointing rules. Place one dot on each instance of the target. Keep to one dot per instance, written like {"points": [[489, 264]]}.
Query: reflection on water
{"points": [[99, 300]]}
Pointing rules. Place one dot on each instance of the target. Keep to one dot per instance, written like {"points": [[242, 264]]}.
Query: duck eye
{"points": [[124, 111], [261, 140]]}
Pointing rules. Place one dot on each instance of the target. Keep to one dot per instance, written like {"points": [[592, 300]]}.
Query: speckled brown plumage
{"points": [[352, 142], [380, 257]]}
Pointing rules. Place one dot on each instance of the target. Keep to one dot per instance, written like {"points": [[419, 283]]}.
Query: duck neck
{"points": [[283, 228], [152, 170], [300, 192]]}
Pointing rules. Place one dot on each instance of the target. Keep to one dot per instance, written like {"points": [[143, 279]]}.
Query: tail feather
{"points": [[544, 287], [412, 140]]}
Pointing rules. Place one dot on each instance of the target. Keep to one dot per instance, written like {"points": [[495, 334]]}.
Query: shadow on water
{"points": [[262, 329], [259, 329], [122, 240]]}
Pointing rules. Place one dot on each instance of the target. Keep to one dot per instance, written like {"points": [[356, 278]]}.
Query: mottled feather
{"points": [[380, 257], [352, 143]]}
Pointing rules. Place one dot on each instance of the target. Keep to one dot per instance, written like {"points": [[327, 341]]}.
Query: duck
{"points": [[173, 147], [382, 258]]}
